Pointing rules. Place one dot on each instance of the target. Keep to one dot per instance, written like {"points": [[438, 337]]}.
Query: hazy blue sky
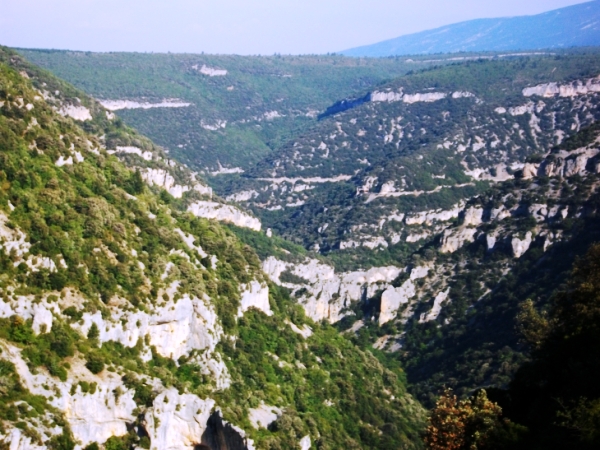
{"points": [[237, 26]]}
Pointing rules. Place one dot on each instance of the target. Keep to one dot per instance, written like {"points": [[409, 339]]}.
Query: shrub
{"points": [[95, 363]]}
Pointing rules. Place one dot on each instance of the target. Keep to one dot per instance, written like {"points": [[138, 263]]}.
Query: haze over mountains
{"points": [[573, 26]]}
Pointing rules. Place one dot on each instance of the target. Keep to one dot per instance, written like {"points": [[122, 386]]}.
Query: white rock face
{"points": [[214, 126], [177, 422], [41, 313], [136, 151], [175, 328], [523, 109], [270, 115], [263, 415], [227, 170], [62, 161], [573, 89], [14, 240], [490, 240], [256, 296], [372, 243], [162, 178], [575, 166], [393, 298], [329, 293], [305, 443], [429, 217], [210, 71], [224, 213], [115, 105], [242, 196], [75, 112], [308, 180], [189, 241], [377, 96], [437, 307], [530, 170], [453, 239], [18, 440], [419, 272], [78, 157], [462, 94], [519, 246], [473, 216], [417, 237], [499, 213], [427, 97], [305, 331], [92, 417]]}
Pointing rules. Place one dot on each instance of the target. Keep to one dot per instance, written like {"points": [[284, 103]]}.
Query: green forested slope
{"points": [[94, 265], [297, 88], [426, 149]]}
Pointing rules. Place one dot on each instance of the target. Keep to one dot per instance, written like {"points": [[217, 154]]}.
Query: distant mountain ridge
{"points": [[573, 26]]}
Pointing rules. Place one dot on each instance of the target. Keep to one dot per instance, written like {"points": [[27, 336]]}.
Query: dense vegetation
{"points": [[97, 240], [294, 86], [552, 402], [418, 147]]}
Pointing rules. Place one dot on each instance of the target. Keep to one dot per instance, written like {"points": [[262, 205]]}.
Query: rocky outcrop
{"points": [[305, 443], [13, 242], [177, 421], [305, 331], [19, 441], [453, 239], [372, 243], [390, 96], [426, 97], [394, 297], [75, 112], [436, 308], [93, 417], [430, 217], [490, 240], [224, 213], [572, 89], [210, 71], [242, 196], [520, 246], [473, 216], [327, 293], [135, 151], [263, 415], [115, 105], [564, 164], [221, 435], [163, 179], [462, 94], [256, 296]]}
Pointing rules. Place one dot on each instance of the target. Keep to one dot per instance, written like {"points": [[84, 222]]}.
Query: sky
{"points": [[243, 27]]}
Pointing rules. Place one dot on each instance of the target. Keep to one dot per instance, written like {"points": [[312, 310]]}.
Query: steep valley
{"points": [[131, 319], [317, 290]]}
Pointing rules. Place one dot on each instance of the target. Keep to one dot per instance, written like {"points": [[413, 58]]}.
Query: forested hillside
{"points": [[130, 320], [233, 110], [397, 240], [441, 203]]}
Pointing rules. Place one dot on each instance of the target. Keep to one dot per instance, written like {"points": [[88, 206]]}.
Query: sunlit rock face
{"points": [[328, 293]]}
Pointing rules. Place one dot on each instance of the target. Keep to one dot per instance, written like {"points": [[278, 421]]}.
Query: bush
{"points": [[95, 363]]}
